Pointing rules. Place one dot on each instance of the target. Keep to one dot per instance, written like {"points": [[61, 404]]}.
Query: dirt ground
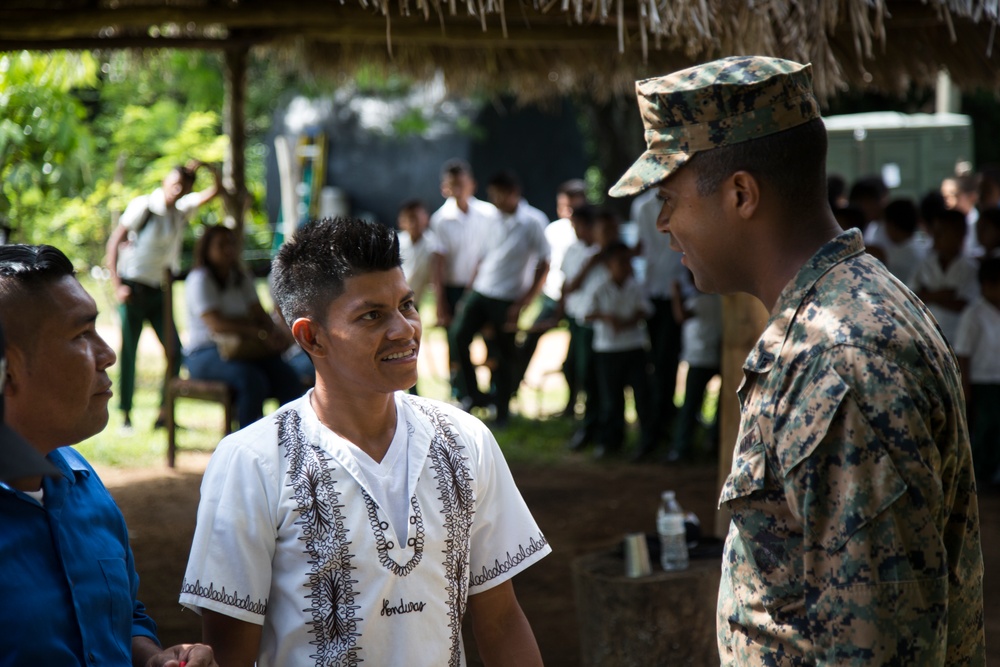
{"points": [[582, 506]]}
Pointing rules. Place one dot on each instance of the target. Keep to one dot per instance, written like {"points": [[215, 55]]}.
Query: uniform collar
{"points": [[844, 246]]}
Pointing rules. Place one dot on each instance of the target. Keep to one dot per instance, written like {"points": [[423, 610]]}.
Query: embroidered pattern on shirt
{"points": [[384, 545], [335, 622], [451, 468], [229, 599], [513, 560]]}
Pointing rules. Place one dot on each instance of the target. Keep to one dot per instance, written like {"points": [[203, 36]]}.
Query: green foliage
{"points": [[45, 145]]}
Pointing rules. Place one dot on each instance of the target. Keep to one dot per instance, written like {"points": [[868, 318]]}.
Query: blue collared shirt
{"points": [[67, 579]]}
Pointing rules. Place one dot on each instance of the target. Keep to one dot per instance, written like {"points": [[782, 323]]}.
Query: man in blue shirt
{"points": [[69, 583]]}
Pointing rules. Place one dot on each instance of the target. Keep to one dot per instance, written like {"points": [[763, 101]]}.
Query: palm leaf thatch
{"points": [[542, 48]]}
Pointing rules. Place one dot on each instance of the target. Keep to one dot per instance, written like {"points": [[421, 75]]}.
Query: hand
{"points": [[123, 293], [190, 655]]}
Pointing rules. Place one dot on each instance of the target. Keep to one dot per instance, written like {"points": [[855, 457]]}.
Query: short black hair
{"points": [[850, 217], [505, 180], [991, 217], [989, 271], [25, 272], [931, 205], [585, 215], [867, 187], [952, 220], [309, 271], [793, 162], [412, 205], [836, 187], [456, 167], [575, 187], [902, 213]]}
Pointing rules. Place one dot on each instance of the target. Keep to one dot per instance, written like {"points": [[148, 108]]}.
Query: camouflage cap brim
{"points": [[650, 169], [716, 104]]}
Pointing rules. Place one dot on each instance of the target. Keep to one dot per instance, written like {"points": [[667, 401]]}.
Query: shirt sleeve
{"points": [[134, 213], [229, 567], [505, 538], [188, 204]]}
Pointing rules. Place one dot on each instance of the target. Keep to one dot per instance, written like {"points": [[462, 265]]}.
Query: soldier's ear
{"points": [[743, 194]]}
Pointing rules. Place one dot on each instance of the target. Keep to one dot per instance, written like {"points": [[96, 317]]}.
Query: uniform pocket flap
{"points": [[749, 468]]}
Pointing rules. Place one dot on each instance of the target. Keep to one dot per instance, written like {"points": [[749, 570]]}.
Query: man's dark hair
{"points": [[867, 188], [931, 206], [902, 213], [412, 205], [575, 187], [793, 162], [586, 214], [456, 167], [989, 271], [505, 180], [990, 217], [26, 271], [310, 270], [953, 220], [851, 217], [836, 187]]}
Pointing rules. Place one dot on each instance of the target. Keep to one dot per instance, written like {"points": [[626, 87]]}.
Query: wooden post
{"points": [[235, 194], [743, 320]]}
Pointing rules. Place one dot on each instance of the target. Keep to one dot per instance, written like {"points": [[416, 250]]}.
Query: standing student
{"points": [[359, 524], [146, 242], [417, 245], [977, 345], [946, 280], [460, 226], [498, 293], [854, 537], [618, 310]]}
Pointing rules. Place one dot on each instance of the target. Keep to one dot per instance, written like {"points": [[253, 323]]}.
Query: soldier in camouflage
{"points": [[855, 526]]}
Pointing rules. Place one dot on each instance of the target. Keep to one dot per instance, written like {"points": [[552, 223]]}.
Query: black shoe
{"points": [[578, 441]]}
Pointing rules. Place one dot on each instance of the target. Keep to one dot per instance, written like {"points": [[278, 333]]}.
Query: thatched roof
{"points": [[537, 48]]}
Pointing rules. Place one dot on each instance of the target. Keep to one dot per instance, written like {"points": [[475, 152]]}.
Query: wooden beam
{"points": [[234, 125]]}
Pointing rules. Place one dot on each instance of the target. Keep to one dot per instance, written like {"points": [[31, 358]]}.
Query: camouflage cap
{"points": [[719, 103]]}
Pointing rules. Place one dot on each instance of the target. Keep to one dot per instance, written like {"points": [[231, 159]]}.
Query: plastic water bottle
{"points": [[673, 536]]}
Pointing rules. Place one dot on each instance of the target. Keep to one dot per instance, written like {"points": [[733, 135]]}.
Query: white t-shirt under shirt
{"points": [[290, 535], [158, 244], [978, 338]]}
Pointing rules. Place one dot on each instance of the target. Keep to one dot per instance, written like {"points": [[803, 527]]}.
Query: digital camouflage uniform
{"points": [[855, 530]]}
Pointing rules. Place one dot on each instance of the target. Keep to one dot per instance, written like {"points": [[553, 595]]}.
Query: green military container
{"points": [[912, 152]]}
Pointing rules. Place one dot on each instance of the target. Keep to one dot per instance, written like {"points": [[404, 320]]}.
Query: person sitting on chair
{"points": [[232, 338]]}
